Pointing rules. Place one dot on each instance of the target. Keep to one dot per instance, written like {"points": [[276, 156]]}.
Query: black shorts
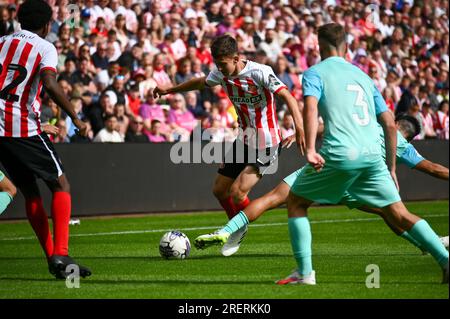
{"points": [[26, 159], [240, 155]]}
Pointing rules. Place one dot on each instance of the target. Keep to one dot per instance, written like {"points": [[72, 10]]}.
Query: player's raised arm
{"points": [[193, 84], [55, 91], [295, 111], [386, 119]]}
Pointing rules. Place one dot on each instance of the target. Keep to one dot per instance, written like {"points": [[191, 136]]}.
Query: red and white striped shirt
{"points": [[23, 56], [252, 94]]}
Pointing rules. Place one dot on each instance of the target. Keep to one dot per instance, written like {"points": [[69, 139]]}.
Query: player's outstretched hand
{"points": [[316, 160], [158, 92], [50, 129], [288, 141], [82, 127]]}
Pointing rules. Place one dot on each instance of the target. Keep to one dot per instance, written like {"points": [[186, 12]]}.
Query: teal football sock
{"points": [[5, 200], [408, 237], [235, 223], [423, 233], [301, 239]]}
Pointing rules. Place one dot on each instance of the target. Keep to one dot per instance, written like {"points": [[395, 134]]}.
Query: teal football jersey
{"points": [[349, 104]]}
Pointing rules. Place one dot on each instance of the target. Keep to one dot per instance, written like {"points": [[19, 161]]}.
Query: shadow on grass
{"points": [[154, 281], [219, 256]]}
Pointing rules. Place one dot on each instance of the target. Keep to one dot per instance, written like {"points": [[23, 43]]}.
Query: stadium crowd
{"points": [[113, 53]]}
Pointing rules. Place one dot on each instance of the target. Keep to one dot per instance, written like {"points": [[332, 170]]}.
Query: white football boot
{"points": [[296, 278], [234, 241], [444, 241]]}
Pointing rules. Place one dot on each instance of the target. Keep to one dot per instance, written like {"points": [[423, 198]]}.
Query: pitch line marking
{"points": [[131, 232]]}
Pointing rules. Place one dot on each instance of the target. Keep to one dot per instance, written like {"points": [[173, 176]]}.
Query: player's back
{"points": [[23, 56], [348, 110]]}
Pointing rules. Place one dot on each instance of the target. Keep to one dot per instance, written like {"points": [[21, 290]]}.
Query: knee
{"points": [[65, 187], [61, 185], [237, 193]]}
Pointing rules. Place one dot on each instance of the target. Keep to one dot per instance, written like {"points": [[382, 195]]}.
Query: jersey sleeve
{"points": [[270, 81], [213, 78], [49, 59], [312, 84], [380, 104], [410, 157]]}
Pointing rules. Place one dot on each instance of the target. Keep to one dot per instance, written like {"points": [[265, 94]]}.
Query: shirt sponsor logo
{"points": [[247, 100]]}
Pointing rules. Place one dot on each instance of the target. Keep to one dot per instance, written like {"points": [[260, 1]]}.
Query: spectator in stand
{"points": [[270, 46], [409, 98], [428, 120], [99, 58], [442, 126], [61, 136], [135, 133], [104, 78], [414, 110], [150, 111], [122, 33], [123, 120], [109, 133], [194, 106], [160, 76], [154, 134], [134, 100], [184, 72], [117, 92], [97, 112], [100, 28], [83, 76], [180, 120], [287, 125], [227, 26], [388, 94]]}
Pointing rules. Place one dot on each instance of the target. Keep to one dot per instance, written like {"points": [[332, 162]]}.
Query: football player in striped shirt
{"points": [[28, 63], [252, 88]]}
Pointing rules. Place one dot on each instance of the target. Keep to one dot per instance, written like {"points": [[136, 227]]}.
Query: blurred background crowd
{"points": [[113, 53]]}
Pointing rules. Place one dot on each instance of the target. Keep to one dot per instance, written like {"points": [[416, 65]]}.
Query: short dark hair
{"points": [[333, 34], [154, 122], [224, 45], [409, 125], [34, 14], [110, 116]]}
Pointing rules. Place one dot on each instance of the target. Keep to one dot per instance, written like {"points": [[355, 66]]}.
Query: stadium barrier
{"points": [[137, 178]]}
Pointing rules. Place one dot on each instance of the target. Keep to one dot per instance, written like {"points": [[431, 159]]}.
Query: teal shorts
{"points": [[2, 176], [346, 200], [372, 186]]}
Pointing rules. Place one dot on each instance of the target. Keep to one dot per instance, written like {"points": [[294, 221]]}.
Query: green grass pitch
{"points": [[123, 254]]}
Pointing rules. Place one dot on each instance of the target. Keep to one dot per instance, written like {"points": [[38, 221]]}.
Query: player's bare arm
{"points": [[295, 111], [386, 119], [311, 122], [433, 169], [193, 84], [55, 91]]}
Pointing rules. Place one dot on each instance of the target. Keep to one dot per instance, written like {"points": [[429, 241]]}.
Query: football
{"points": [[174, 245]]}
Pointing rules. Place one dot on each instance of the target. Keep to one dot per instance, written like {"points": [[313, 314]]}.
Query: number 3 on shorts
{"points": [[361, 103]]}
